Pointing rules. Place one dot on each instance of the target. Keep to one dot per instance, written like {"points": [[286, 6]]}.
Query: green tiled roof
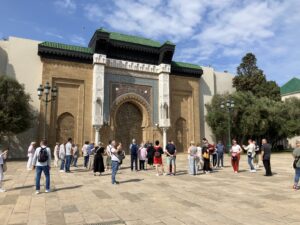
{"points": [[292, 86], [73, 48], [132, 39], [185, 65]]}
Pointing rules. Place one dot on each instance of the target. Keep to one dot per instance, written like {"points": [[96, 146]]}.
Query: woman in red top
{"points": [[158, 158]]}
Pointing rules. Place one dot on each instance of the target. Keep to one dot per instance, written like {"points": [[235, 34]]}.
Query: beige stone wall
{"points": [[185, 115], [19, 60], [74, 82]]}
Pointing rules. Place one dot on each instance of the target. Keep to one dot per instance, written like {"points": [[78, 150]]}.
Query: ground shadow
{"points": [[181, 172], [24, 187], [131, 180], [67, 188]]}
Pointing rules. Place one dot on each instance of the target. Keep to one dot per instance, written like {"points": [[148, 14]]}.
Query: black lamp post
{"points": [[228, 106], [46, 90]]}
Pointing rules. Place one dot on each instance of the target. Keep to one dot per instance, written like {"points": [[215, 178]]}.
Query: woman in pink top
{"points": [[143, 156], [235, 155]]}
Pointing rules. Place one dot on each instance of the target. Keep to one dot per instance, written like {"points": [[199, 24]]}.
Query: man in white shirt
{"points": [[250, 152], [42, 163], [62, 157], [114, 162], [68, 154]]}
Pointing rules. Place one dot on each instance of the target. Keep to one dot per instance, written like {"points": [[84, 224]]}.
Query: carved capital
{"points": [[99, 59], [164, 68]]}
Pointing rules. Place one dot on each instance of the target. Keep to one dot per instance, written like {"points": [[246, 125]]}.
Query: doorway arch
{"points": [[129, 120], [65, 127]]}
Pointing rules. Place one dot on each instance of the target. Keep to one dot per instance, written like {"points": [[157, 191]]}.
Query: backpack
{"points": [[157, 153], [43, 155], [134, 149]]}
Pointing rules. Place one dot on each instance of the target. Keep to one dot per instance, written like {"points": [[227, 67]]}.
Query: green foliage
{"points": [[15, 112], [251, 78]]}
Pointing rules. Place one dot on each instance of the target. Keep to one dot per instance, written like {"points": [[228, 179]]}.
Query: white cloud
{"points": [[78, 40], [48, 33], [93, 12], [68, 6]]}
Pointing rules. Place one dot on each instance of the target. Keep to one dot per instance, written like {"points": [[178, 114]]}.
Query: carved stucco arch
{"points": [[138, 101]]}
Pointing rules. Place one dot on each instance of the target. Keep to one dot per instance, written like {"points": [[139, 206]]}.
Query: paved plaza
{"points": [[143, 198]]}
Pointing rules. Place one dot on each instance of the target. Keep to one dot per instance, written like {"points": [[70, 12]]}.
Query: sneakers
{"points": [[47, 191], [252, 171], [37, 192], [61, 171], [157, 174], [165, 174], [2, 190], [295, 187]]}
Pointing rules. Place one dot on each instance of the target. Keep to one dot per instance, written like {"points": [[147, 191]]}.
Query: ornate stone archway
{"points": [[65, 127]]}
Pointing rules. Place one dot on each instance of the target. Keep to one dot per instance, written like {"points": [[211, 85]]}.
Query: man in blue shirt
{"points": [[220, 151]]}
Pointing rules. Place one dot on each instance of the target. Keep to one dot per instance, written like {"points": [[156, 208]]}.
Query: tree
{"points": [[15, 112], [251, 78]]}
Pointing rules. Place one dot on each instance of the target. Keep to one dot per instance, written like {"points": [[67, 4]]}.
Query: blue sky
{"points": [[206, 32]]}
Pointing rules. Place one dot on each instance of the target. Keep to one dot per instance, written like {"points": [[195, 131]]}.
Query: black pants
{"points": [[267, 165], [206, 166], [142, 164], [134, 159], [214, 159]]}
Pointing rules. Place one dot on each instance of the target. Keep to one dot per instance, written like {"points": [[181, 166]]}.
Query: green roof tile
{"points": [[131, 39], [73, 48], [185, 65], [292, 86]]}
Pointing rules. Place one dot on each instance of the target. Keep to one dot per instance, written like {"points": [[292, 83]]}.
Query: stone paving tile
{"points": [[143, 198]]}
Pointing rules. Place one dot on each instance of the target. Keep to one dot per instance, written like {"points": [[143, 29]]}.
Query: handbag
{"points": [[206, 155]]}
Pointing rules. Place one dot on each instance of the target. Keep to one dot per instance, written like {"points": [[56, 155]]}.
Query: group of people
{"points": [[209, 156], [203, 157]]}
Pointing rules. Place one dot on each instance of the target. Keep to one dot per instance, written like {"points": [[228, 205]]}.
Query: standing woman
{"points": [[192, 151], [55, 153], [235, 155], [98, 159], [200, 157], [75, 154], [206, 157], [143, 156], [150, 154], [296, 155], [3, 156], [158, 151], [62, 157], [30, 154]]}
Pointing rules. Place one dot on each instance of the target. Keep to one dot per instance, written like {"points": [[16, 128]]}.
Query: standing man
{"points": [[296, 155], [108, 156], [250, 153], [266, 156], [85, 154], [3, 156], [62, 157], [68, 154], [171, 158], [134, 149], [220, 151], [114, 162], [30, 153], [42, 163]]}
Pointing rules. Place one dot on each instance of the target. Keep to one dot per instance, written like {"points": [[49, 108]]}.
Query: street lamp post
{"points": [[46, 90], [229, 105]]}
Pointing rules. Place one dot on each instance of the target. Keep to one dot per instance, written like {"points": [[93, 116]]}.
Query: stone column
{"points": [[164, 100], [99, 62]]}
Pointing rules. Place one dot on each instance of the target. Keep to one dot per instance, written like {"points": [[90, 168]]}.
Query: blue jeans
{"points": [[192, 165], [75, 161], [250, 162], [62, 164], [68, 162], [134, 160], [220, 159], [86, 161], [38, 172], [297, 176], [114, 169]]}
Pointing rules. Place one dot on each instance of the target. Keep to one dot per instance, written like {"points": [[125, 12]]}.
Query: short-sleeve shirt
{"points": [[171, 149], [68, 148], [236, 148], [296, 154], [266, 148]]}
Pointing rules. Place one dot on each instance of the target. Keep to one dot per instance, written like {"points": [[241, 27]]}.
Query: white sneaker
{"points": [[252, 171], [62, 171], [2, 190], [165, 174], [47, 191], [37, 192], [157, 174]]}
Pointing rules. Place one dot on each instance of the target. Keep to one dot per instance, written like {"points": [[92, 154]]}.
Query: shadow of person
{"points": [[131, 180], [66, 188]]}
